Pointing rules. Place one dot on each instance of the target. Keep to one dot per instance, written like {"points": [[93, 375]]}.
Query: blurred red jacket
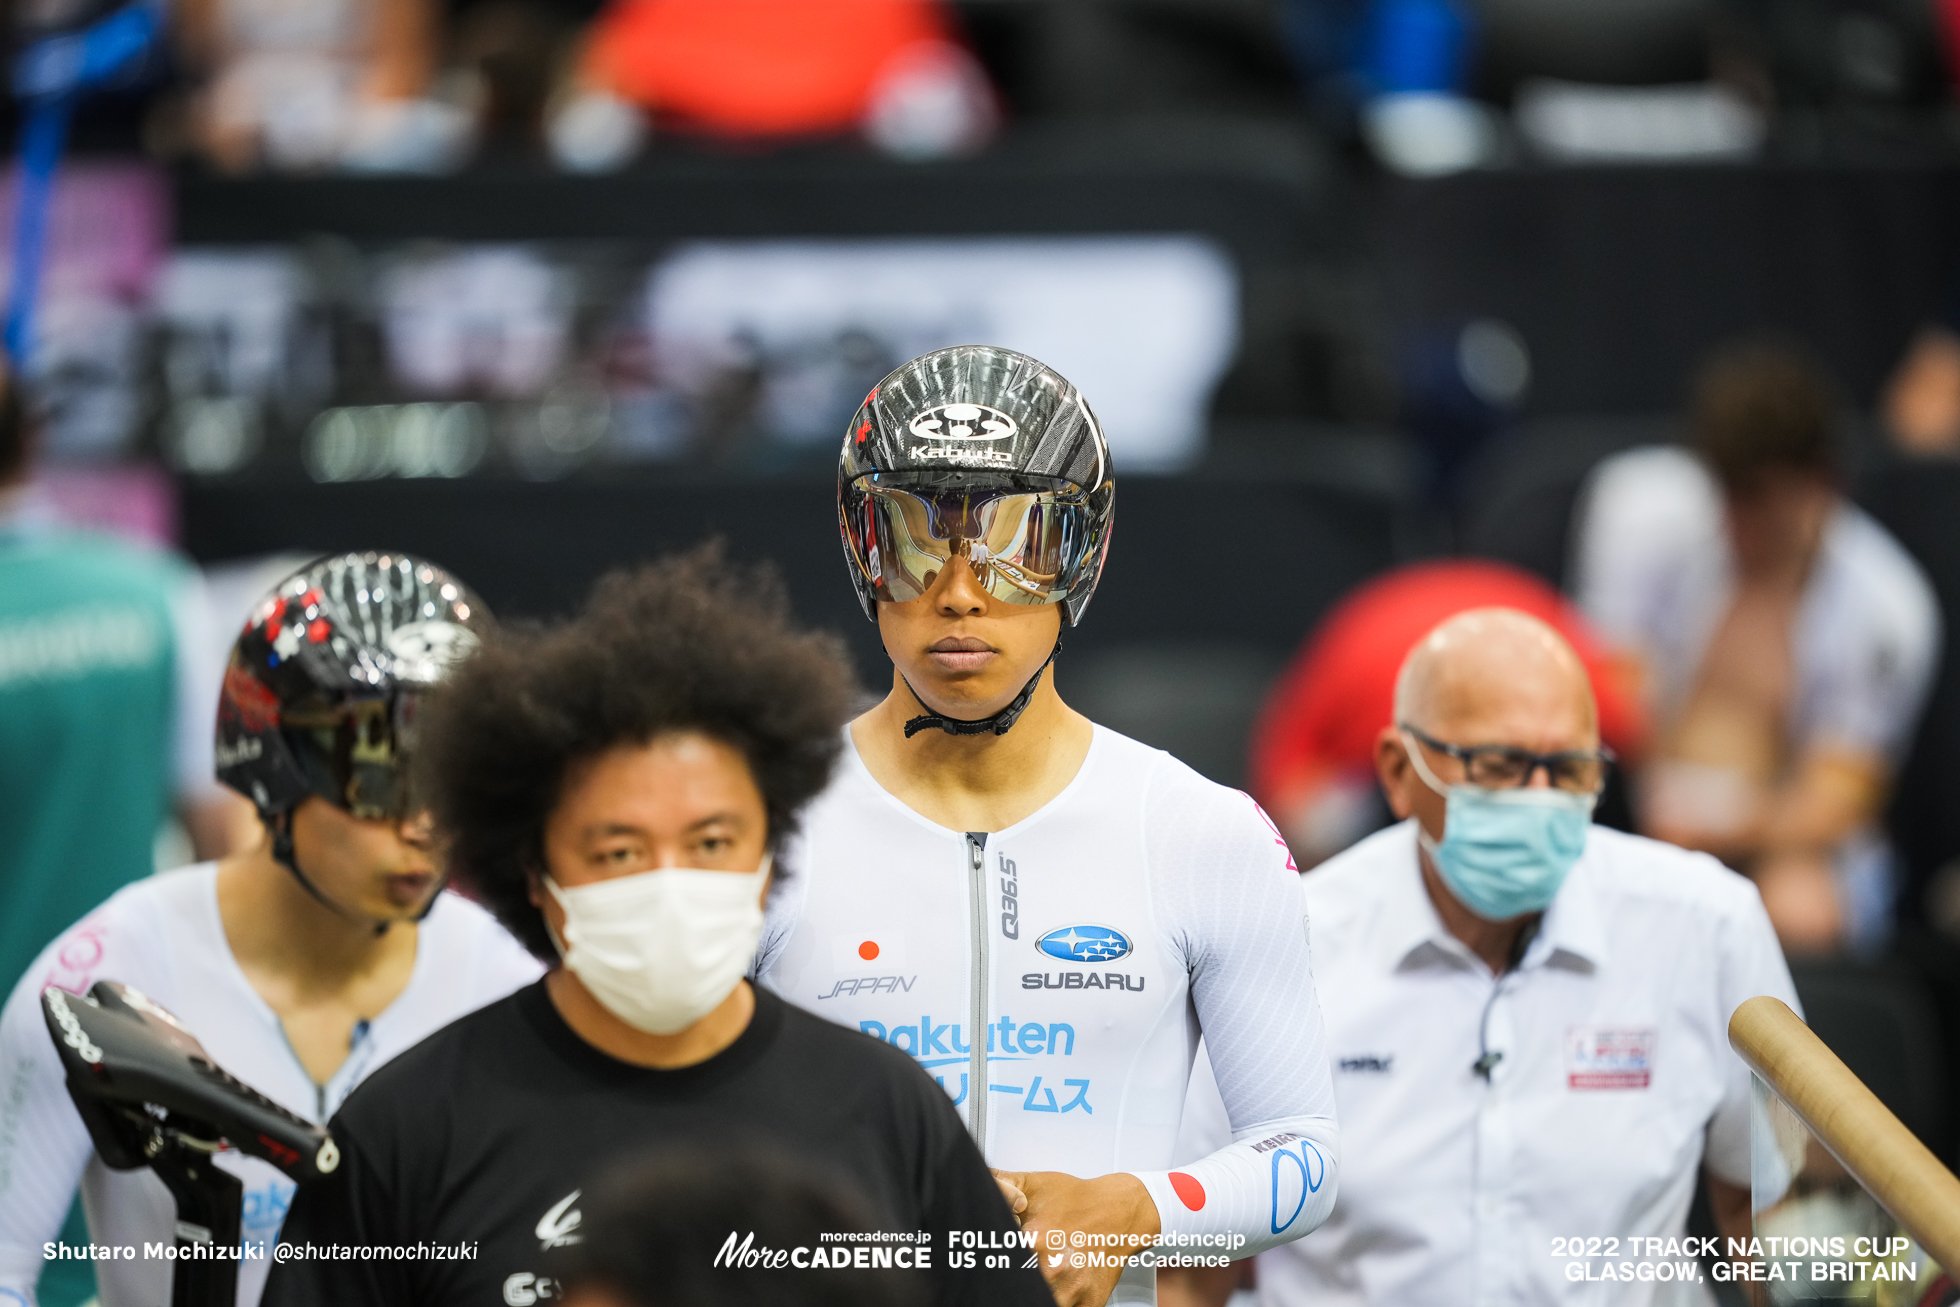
{"points": [[1323, 714], [757, 68]]}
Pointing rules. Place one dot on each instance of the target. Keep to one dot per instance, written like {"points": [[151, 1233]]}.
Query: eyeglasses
{"points": [[1507, 767]]}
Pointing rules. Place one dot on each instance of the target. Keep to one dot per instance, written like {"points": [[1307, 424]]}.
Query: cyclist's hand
{"points": [[1017, 1201], [1115, 1204]]}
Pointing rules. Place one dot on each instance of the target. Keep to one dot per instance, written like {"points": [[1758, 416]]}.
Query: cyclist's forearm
{"points": [[1271, 1185]]}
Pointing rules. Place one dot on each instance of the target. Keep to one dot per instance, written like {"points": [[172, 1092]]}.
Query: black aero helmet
{"points": [[983, 452], [322, 695]]}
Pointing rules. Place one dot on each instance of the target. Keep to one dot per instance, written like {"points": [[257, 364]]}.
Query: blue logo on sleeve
{"points": [[1085, 944]]}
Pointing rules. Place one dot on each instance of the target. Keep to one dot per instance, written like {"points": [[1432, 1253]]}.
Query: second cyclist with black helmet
{"points": [[1045, 914], [301, 965]]}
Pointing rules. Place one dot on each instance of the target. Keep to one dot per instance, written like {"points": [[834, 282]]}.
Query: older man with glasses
{"points": [[1527, 1014]]}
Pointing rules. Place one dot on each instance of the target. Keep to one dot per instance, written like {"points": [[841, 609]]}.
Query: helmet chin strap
{"points": [[997, 724], [281, 827]]}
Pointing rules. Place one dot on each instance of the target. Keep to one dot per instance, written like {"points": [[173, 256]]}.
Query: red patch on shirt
{"points": [[1189, 1191]]}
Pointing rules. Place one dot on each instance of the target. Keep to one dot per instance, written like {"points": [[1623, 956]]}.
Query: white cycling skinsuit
{"points": [[163, 935], [1092, 942]]}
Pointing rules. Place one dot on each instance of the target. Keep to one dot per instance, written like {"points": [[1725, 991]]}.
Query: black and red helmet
{"points": [[324, 688]]}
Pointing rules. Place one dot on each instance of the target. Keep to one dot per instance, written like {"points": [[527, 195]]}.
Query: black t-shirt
{"points": [[479, 1136]]}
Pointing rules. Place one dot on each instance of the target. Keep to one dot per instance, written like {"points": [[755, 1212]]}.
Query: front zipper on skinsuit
{"points": [[976, 1057]]}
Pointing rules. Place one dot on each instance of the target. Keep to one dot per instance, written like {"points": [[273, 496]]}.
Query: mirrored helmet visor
{"points": [[1025, 547]]}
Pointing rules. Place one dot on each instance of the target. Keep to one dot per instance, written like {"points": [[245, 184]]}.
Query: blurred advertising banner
{"points": [[540, 359], [1145, 326]]}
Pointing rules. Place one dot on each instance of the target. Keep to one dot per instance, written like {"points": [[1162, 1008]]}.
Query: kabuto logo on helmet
{"points": [[963, 422], [960, 424]]}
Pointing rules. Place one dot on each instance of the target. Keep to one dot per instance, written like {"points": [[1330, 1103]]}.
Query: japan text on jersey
{"points": [[1028, 1061]]}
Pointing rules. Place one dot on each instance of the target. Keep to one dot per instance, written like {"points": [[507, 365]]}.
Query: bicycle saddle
{"points": [[143, 1084]]}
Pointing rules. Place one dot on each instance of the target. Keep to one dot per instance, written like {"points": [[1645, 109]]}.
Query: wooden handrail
{"points": [[1881, 1154]]}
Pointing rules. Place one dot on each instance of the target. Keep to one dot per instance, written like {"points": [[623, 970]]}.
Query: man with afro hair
{"points": [[616, 788]]}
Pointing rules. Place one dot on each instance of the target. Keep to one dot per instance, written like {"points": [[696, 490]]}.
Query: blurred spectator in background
{"points": [[651, 1234], [1920, 406], [1313, 751], [105, 726], [106, 707], [307, 84], [1787, 639], [781, 69], [515, 54]]}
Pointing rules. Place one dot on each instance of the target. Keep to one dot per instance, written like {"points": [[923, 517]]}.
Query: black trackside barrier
{"points": [[151, 1096]]}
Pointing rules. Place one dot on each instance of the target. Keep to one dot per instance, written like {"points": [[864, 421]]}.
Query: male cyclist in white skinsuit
{"points": [[1046, 914], [302, 964]]}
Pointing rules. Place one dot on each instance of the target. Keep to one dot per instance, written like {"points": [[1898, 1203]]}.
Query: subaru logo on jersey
{"points": [[1085, 944]]}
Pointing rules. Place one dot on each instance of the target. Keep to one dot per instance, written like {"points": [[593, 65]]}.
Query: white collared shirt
{"points": [[1615, 1086]]}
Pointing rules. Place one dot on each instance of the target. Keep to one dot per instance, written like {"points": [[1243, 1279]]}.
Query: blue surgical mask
{"points": [[1504, 852]]}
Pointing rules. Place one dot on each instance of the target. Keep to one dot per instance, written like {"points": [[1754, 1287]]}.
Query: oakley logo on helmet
{"points": [[963, 422]]}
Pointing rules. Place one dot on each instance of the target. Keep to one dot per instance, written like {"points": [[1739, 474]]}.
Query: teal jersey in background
{"points": [[87, 712]]}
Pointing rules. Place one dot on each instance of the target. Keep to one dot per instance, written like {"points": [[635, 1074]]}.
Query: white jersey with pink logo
{"points": [[164, 936], [1055, 977]]}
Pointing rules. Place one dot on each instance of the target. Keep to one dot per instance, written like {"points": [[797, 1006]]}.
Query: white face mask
{"points": [[662, 949]]}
